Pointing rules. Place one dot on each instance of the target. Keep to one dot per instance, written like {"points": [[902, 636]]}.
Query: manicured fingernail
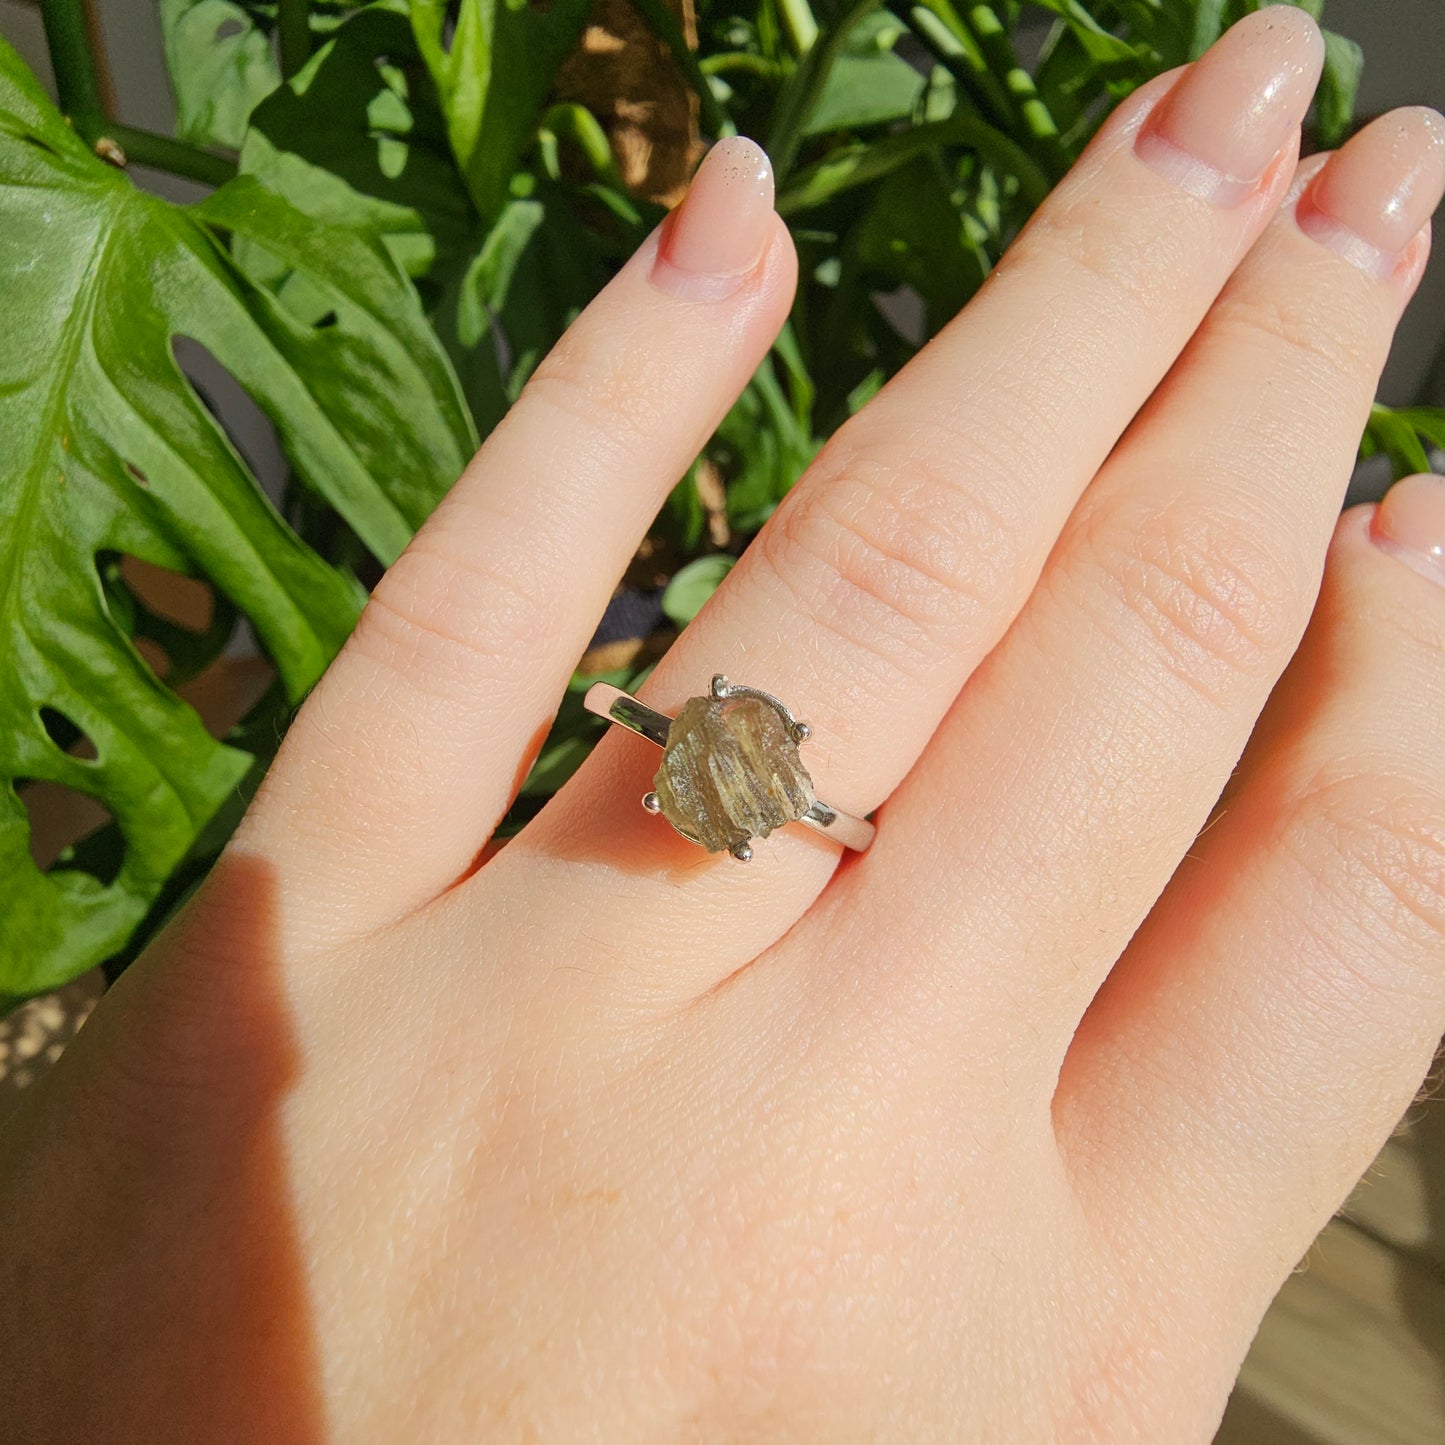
{"points": [[1372, 196], [715, 238], [1217, 131], [1410, 524]]}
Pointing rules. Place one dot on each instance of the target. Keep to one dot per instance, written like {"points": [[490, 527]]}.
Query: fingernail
{"points": [[715, 238], [1410, 524], [1372, 196], [1216, 132]]}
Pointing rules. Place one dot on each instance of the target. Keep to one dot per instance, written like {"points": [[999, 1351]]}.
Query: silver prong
{"points": [[743, 852], [720, 687], [802, 732], [652, 802]]}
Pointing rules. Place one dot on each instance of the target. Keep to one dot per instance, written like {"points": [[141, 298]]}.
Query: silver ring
{"points": [[730, 767]]}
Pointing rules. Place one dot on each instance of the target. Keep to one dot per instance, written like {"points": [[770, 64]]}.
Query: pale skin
{"points": [[1006, 1130]]}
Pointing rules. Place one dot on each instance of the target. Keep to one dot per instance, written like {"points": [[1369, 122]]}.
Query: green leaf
{"points": [[868, 84], [1208, 26], [106, 449], [1391, 432], [1335, 98], [692, 585], [358, 139], [914, 235], [861, 162], [762, 447], [1403, 434], [506, 302], [1100, 45], [493, 79], [221, 66]]}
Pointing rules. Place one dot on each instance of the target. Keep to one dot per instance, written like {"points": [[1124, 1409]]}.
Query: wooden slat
{"points": [[1351, 1353], [1401, 1201]]}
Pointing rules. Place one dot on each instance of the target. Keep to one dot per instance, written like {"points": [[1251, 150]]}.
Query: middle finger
{"points": [[902, 556]]}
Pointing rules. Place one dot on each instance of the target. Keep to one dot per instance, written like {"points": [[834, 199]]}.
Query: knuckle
{"points": [[1216, 601], [1110, 260], [884, 547], [1317, 331], [603, 390], [437, 620], [1377, 844]]}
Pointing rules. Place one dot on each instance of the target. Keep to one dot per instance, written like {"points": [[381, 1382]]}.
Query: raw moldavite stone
{"points": [[731, 772]]}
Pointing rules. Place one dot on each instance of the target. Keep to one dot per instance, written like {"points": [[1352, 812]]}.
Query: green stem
{"points": [[799, 96], [741, 61], [161, 153], [293, 34], [76, 80], [1034, 118], [798, 21], [663, 22], [861, 162], [937, 27]]}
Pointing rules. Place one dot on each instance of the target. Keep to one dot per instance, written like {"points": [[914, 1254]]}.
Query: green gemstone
{"points": [[731, 772]]}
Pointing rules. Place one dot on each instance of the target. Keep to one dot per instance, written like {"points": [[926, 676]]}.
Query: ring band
{"points": [[730, 771]]}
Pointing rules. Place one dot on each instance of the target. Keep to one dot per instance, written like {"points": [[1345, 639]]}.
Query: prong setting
{"points": [[652, 803], [721, 687], [743, 852]]}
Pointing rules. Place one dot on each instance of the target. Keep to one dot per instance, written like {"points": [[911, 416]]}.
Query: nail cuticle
{"points": [[716, 239], [694, 285], [1431, 567], [1409, 525], [1191, 174], [1325, 230]]}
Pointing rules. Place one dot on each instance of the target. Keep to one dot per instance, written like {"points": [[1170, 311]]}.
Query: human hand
{"points": [[1006, 1130]]}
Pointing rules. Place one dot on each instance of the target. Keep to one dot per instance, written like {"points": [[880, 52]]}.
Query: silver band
{"points": [[621, 707]]}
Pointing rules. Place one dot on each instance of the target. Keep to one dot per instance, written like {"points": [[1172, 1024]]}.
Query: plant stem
{"points": [[798, 20], [161, 153], [663, 23], [293, 34], [862, 162], [76, 80], [799, 96], [939, 30], [993, 40]]}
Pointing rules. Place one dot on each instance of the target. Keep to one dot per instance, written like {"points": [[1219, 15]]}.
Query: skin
{"points": [[1006, 1130]]}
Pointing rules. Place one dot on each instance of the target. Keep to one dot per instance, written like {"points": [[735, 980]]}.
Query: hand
{"points": [[1006, 1130]]}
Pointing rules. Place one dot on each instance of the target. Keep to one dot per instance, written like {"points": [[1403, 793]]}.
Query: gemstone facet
{"points": [[731, 772]]}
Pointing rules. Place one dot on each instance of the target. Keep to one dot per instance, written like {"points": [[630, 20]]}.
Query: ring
{"points": [[730, 768]]}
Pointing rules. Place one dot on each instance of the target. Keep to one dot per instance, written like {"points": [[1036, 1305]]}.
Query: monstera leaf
{"points": [[221, 64], [222, 60], [358, 138], [106, 450]]}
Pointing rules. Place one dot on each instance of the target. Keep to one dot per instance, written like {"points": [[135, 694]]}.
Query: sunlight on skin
{"points": [[1004, 1130]]}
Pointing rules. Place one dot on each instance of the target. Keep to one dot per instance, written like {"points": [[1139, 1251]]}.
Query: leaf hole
{"points": [[229, 30], [138, 475], [327, 321], [71, 831], [67, 735], [449, 25], [246, 425], [176, 622]]}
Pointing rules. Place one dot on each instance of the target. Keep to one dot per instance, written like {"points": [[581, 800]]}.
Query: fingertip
{"points": [[720, 233], [1409, 525]]}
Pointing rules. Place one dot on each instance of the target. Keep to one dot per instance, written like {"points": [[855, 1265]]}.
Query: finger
{"points": [[411, 747], [896, 563], [1084, 757], [1272, 1020]]}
